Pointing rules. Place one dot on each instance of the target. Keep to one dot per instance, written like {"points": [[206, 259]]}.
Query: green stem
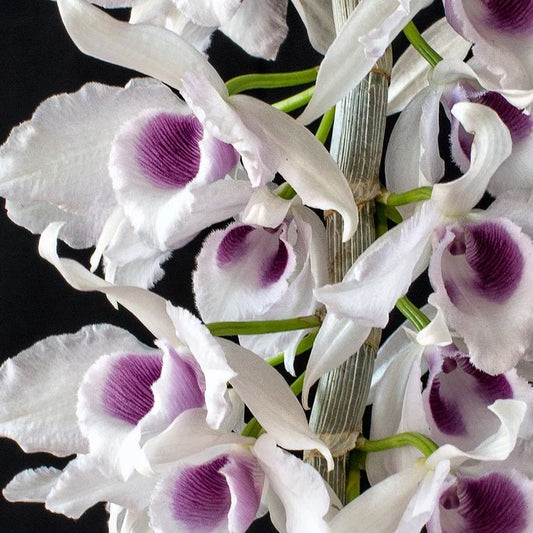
{"points": [[258, 327], [393, 214], [421, 45], [412, 313], [381, 220], [304, 345], [286, 192], [419, 441], [247, 82], [415, 195], [253, 428], [353, 481], [295, 101], [325, 125]]}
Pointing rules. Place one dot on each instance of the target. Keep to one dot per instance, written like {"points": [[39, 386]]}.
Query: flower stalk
{"points": [[356, 145]]}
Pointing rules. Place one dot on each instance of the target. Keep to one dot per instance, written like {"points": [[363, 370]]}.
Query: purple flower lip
{"points": [[509, 16]]}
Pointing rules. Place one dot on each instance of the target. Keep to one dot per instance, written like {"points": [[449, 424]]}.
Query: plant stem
{"points": [[303, 346], [421, 45], [409, 310], [420, 194], [419, 441], [295, 101], [247, 82], [258, 327]]}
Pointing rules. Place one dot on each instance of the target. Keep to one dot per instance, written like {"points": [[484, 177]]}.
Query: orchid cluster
{"points": [[196, 432]]}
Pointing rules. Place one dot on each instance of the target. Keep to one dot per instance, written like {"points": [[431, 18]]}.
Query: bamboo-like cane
{"points": [[356, 145]]}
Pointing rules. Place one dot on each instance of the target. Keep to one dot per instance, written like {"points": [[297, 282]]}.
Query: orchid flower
{"points": [[361, 41], [435, 492], [251, 272], [413, 159], [268, 140], [383, 273], [139, 188], [502, 33]]}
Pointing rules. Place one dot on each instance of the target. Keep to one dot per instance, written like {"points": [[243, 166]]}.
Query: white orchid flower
{"points": [[434, 491], [250, 272], [130, 170], [384, 272], [268, 140]]}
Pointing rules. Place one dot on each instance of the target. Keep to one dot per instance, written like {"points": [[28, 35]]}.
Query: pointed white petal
{"points": [[151, 50], [31, 485], [361, 42], [266, 393], [318, 19], [209, 12], [300, 488]]}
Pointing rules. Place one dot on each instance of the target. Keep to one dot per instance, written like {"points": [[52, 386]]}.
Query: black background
{"points": [[37, 60]]}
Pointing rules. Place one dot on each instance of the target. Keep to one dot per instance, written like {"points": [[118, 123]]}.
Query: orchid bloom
{"points": [[444, 492], [124, 401], [502, 33], [383, 273], [413, 159], [141, 187], [250, 272], [268, 140], [257, 27]]}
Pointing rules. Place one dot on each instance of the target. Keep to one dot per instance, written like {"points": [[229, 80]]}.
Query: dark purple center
{"points": [[275, 266], [233, 245], [509, 16], [482, 505], [168, 150], [445, 411], [201, 497], [127, 393], [495, 258]]}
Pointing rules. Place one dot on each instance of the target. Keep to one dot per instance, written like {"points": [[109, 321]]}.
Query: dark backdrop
{"points": [[37, 60]]}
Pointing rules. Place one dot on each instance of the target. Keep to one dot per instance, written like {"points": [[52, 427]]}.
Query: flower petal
{"points": [[209, 12], [258, 27], [491, 146], [299, 486], [151, 50], [39, 387], [360, 43], [318, 19], [266, 393]]}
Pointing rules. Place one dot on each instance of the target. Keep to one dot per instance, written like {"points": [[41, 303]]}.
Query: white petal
{"points": [[39, 387], [318, 19], [209, 12], [266, 208], [380, 508], [258, 27], [298, 485], [266, 393], [410, 73], [360, 43], [31, 485], [304, 161], [338, 338], [151, 50], [491, 146]]}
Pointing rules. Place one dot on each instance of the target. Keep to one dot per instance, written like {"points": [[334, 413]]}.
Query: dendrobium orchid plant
{"points": [[197, 431]]}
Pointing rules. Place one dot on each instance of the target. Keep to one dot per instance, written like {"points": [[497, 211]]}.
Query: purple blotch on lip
{"points": [[275, 266], [509, 16], [478, 505], [168, 150], [127, 393], [445, 412], [233, 245], [201, 498], [496, 260]]}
